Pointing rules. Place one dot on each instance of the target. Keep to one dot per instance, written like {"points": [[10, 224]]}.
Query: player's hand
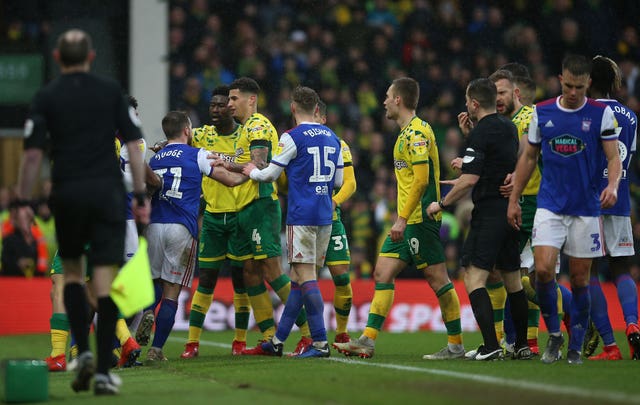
{"points": [[514, 214], [217, 162], [141, 213], [456, 163], [213, 155], [158, 146], [507, 187], [465, 123], [246, 170], [433, 209], [397, 230], [608, 197]]}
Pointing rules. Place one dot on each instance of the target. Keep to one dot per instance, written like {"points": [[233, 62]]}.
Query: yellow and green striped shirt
{"points": [[219, 198]]}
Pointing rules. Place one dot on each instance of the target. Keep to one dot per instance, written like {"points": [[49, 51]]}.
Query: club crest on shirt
{"points": [[566, 145], [586, 125]]}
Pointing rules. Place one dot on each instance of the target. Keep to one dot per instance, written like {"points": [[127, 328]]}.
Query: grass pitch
{"points": [[395, 375]]}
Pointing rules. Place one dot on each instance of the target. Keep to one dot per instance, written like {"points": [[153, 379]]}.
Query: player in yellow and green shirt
{"points": [[219, 237], [414, 238]]}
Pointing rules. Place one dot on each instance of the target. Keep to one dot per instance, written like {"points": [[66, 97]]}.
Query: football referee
{"points": [[75, 117], [491, 154]]}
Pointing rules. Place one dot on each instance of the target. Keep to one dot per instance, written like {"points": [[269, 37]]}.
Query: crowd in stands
{"points": [[349, 50]]}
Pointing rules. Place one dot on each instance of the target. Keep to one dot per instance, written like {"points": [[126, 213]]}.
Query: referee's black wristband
{"points": [[140, 198], [441, 203]]}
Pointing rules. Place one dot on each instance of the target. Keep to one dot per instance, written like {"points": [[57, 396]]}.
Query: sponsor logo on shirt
{"points": [[566, 145], [400, 164]]}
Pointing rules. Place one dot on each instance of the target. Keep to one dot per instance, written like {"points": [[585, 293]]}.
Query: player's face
{"points": [[391, 102], [574, 89], [219, 109], [504, 100], [239, 104]]}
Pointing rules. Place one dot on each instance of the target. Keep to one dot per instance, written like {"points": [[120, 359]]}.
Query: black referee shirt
{"points": [[81, 113], [492, 153]]}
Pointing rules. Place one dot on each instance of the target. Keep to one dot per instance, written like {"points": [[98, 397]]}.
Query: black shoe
{"points": [[573, 357], [523, 353]]}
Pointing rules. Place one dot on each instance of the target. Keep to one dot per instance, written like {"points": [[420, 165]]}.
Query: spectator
{"points": [[24, 248]]}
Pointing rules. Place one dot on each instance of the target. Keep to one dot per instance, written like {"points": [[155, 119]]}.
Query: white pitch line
{"points": [[503, 382]]}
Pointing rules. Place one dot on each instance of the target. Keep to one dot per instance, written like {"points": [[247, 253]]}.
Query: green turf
{"points": [[395, 375]]}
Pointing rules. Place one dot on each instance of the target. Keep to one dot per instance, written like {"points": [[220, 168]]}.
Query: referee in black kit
{"points": [[491, 155], [81, 113]]}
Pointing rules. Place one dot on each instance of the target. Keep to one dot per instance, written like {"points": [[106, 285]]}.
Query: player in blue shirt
{"points": [[173, 229], [571, 132], [311, 155], [606, 79]]}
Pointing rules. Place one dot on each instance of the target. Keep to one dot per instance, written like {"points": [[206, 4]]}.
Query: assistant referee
{"points": [[76, 116]]}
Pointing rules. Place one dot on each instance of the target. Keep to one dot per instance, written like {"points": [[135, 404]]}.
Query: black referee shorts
{"points": [[491, 242], [90, 212]]}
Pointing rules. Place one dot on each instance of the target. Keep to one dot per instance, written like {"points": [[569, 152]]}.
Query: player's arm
{"points": [[226, 177], [609, 136], [218, 173], [260, 153], [272, 171], [266, 175], [152, 179], [420, 182], [348, 187]]}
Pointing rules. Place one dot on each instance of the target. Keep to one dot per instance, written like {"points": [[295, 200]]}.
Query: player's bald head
{"points": [[74, 47]]}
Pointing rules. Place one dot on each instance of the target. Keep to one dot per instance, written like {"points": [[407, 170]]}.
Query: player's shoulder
{"points": [[258, 122], [205, 130], [597, 103], [551, 102]]}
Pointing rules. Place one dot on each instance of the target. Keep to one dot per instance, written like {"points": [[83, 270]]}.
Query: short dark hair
{"points": [[133, 102], [484, 91], [222, 90], [245, 85], [173, 123], [501, 74], [306, 98], [74, 47], [527, 87], [322, 108], [516, 69], [606, 77], [408, 90], [577, 65]]}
